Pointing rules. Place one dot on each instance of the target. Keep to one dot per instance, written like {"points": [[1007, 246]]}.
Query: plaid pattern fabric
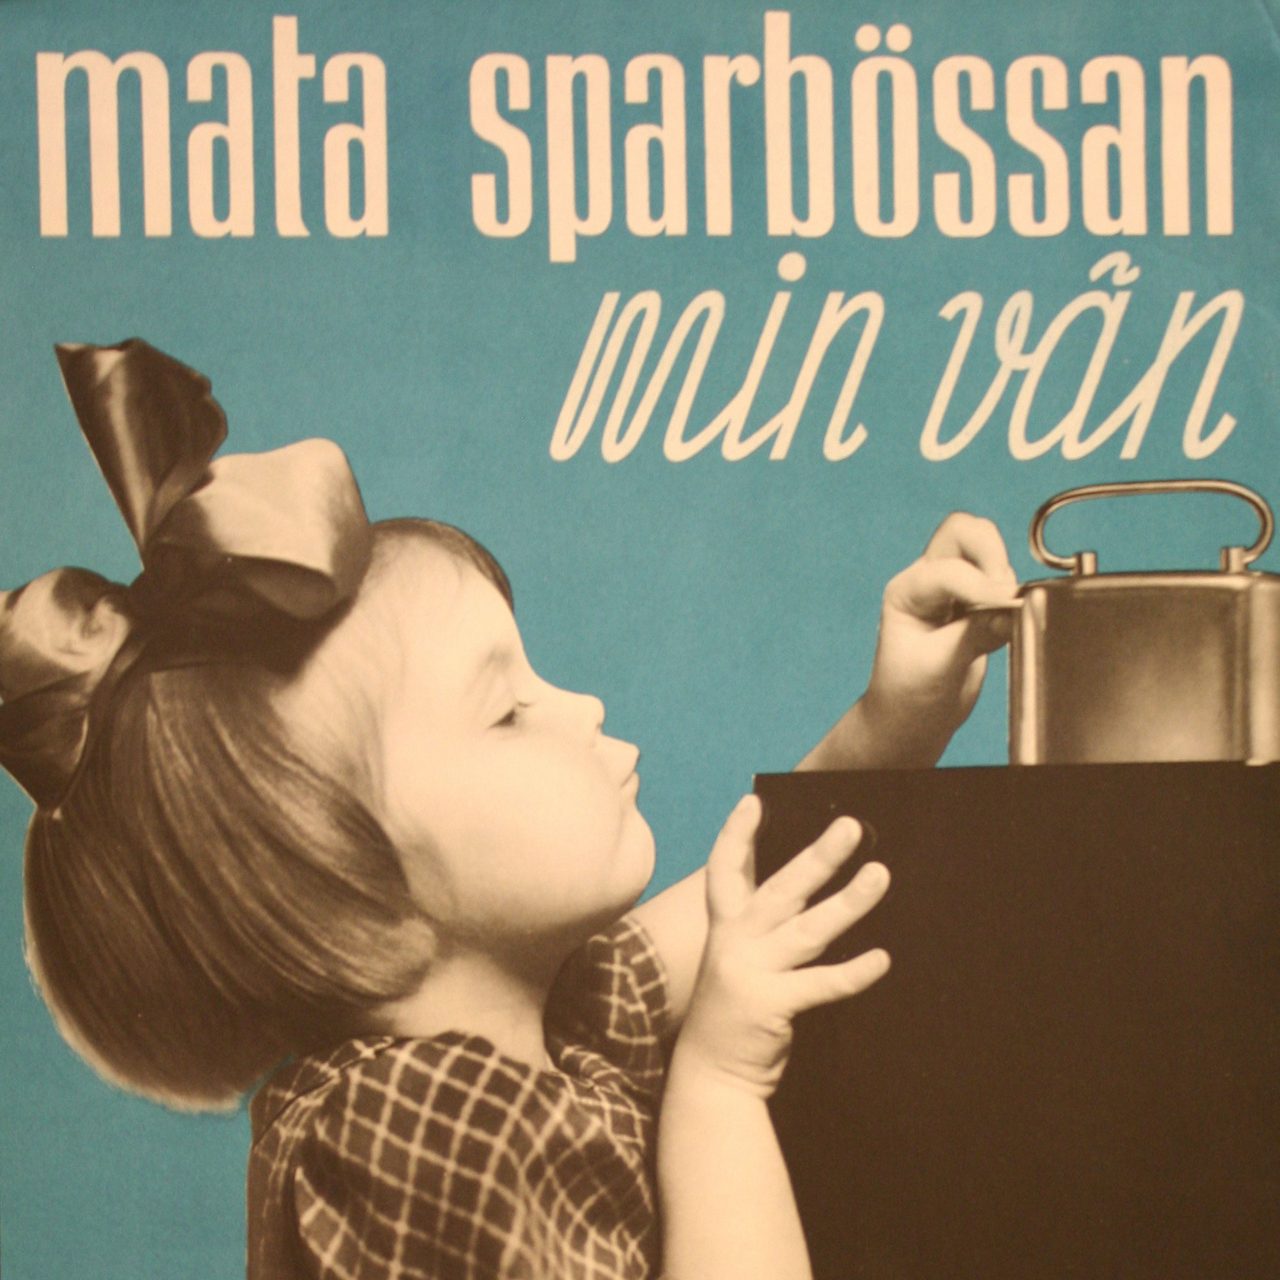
{"points": [[441, 1159]]}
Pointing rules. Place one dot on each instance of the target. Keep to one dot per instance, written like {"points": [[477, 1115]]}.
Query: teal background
{"points": [[725, 612]]}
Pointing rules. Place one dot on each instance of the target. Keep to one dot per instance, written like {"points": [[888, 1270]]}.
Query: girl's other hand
{"points": [[751, 983]]}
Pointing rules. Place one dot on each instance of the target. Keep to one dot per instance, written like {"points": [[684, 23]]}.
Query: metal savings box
{"points": [[1146, 667], [1073, 1069]]}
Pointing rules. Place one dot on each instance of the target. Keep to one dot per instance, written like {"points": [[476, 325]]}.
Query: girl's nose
{"points": [[583, 712], [592, 710], [570, 711]]}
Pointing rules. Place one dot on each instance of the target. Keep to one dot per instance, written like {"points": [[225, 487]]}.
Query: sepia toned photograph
{"points": [[640, 641]]}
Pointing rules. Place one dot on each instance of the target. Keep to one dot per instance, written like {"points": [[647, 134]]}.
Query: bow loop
{"points": [[230, 532], [58, 636], [280, 534], [151, 422]]}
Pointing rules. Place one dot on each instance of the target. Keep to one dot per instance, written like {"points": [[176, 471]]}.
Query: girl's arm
{"points": [[727, 1205], [931, 655], [676, 920], [929, 665]]}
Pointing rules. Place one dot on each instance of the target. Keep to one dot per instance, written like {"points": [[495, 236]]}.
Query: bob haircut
{"points": [[214, 894]]}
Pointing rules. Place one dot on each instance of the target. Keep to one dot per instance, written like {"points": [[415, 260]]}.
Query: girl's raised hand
{"points": [[931, 655], [752, 982]]}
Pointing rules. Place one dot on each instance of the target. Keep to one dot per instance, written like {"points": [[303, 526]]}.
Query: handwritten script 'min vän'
{"points": [[1078, 433]]}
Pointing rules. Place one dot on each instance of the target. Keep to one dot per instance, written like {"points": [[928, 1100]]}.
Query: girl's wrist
{"points": [[905, 731], [696, 1072], [884, 731]]}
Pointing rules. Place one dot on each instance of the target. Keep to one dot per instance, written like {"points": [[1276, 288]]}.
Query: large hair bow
{"points": [[248, 535]]}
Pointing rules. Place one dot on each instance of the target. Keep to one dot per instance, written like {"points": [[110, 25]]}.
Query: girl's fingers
{"points": [[824, 984], [731, 867], [809, 934], [785, 893], [939, 591], [974, 539]]}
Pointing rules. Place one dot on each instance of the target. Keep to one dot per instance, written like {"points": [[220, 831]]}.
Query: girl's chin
{"points": [[646, 860]]}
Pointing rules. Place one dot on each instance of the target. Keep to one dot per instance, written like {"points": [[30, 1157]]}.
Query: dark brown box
{"points": [[1073, 1067]]}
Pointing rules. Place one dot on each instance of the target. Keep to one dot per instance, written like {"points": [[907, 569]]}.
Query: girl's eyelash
{"points": [[509, 719]]}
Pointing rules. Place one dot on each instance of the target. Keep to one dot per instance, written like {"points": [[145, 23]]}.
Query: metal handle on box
{"points": [[1082, 563]]}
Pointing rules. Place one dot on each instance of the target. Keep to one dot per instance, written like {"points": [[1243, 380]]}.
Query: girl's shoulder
{"points": [[445, 1150], [612, 998], [605, 1026], [442, 1142], [446, 1139], [370, 1078]]}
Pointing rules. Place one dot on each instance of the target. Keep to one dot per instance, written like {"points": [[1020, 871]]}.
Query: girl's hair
{"points": [[215, 893]]}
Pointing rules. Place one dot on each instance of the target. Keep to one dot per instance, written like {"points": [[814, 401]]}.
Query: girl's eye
{"points": [[509, 720]]}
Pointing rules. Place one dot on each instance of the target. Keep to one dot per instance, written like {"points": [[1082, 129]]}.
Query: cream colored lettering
{"points": [[492, 127], [231, 135], [637, 324], [1094, 179], [718, 77], [1070, 435], [1125, 140], [564, 223], [103, 75], [343, 141], [666, 140], [235, 134], [903, 135], [1176, 78], [814, 74], [950, 124]]}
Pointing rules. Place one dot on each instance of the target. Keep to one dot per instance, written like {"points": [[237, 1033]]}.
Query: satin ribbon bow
{"points": [[249, 536]]}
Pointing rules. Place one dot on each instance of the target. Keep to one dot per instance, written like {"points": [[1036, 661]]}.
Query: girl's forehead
{"points": [[420, 571], [421, 617], [444, 606], [426, 579], [455, 638]]}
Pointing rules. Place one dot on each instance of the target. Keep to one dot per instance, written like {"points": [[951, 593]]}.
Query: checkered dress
{"points": [[441, 1159]]}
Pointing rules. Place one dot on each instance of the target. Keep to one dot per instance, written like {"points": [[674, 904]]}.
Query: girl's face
{"points": [[515, 814]]}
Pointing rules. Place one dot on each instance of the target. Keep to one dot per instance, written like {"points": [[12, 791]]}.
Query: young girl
{"points": [[302, 800]]}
